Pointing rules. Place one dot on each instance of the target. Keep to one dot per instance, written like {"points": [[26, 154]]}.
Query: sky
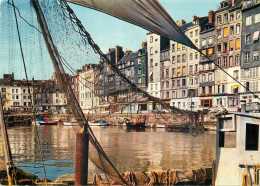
{"points": [[108, 31], [105, 30]]}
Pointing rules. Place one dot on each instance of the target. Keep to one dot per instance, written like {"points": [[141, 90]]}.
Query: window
{"points": [[225, 17], [183, 93], [210, 40], [196, 68], [219, 48], [235, 74], [247, 56], [173, 83], [238, 15], [191, 34], [219, 19], [231, 45], [210, 51], [178, 58], [247, 39], [173, 59], [196, 55], [191, 56], [231, 17], [219, 33], [167, 73], [231, 30], [183, 71], [151, 62], [257, 18], [196, 43], [252, 135], [238, 29], [191, 81], [139, 70], [173, 72], [178, 46], [237, 60], [210, 77], [225, 61], [224, 47], [196, 32], [173, 47], [256, 36], [183, 82], [225, 32], [183, 58], [256, 55], [230, 61], [178, 71], [237, 43], [167, 84], [203, 42], [151, 50], [3, 89], [178, 83], [248, 20], [183, 47], [223, 88], [204, 52], [173, 95], [191, 69], [151, 39]]}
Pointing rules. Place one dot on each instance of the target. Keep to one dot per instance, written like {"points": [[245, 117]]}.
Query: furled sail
{"points": [[148, 14]]}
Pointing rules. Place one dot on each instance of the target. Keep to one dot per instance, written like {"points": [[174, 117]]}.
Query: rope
{"points": [[27, 81]]}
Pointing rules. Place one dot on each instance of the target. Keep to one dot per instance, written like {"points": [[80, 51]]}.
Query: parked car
{"points": [[253, 107], [218, 108], [158, 111]]}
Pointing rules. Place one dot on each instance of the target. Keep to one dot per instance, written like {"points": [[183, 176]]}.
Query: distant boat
{"points": [[45, 122], [98, 123], [137, 123], [48, 122]]}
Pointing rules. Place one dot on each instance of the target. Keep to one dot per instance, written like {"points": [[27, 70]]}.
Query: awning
{"points": [[235, 87], [256, 36], [148, 14]]}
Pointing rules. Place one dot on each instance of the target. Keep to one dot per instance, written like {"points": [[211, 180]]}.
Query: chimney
{"points": [[128, 52], [181, 22], [211, 17]]}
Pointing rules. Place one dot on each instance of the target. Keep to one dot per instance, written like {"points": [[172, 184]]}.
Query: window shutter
{"points": [[225, 31], [238, 43]]}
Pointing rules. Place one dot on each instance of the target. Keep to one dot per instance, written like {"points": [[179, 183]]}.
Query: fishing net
{"points": [[53, 24]]}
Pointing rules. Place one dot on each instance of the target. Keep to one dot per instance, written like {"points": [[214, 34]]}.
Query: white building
{"points": [[16, 97], [88, 99]]}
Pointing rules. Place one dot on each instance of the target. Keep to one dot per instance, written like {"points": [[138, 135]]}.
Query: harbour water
{"points": [[154, 149]]}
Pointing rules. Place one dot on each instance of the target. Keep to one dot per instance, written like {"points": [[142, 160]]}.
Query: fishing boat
{"points": [[98, 123], [138, 123], [46, 122]]}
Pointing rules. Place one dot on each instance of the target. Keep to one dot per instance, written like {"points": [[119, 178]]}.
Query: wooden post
{"points": [[7, 150], [81, 160]]}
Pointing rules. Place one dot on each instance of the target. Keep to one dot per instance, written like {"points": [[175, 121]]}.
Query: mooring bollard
{"points": [[81, 160]]}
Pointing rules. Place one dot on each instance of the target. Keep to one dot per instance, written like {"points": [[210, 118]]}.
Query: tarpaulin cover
{"points": [[148, 14]]}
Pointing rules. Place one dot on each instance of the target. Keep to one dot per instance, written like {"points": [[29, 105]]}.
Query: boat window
{"points": [[252, 134], [227, 139]]}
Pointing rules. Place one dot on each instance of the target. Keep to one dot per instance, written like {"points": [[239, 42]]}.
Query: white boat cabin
{"points": [[237, 149]]}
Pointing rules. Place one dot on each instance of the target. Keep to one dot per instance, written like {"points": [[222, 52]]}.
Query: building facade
{"points": [[250, 63]]}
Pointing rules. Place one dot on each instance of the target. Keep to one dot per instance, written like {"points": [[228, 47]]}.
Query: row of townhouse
{"points": [[99, 89], [185, 78], [42, 94], [178, 75]]}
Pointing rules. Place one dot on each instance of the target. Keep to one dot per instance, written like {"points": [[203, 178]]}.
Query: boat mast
{"points": [[7, 149]]}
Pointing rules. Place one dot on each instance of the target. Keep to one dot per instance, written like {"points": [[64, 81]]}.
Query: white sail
{"points": [[148, 14]]}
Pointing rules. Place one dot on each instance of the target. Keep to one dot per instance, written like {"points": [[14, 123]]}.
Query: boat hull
{"points": [[139, 125]]}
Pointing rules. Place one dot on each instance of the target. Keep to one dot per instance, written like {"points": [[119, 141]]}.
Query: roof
{"points": [[128, 57]]}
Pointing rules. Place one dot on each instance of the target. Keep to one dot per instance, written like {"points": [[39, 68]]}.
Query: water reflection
{"points": [[129, 150]]}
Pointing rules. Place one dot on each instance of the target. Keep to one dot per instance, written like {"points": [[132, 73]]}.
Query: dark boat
{"points": [[48, 123], [136, 123]]}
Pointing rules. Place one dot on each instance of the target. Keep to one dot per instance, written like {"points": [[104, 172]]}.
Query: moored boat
{"points": [[136, 123]]}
